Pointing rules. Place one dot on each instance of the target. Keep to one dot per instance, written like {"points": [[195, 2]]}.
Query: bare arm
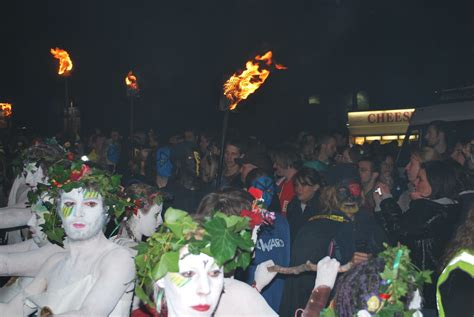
{"points": [[23, 246], [17, 306], [26, 263], [12, 217], [117, 273]]}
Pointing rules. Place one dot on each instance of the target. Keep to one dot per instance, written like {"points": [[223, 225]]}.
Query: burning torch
{"points": [[132, 93], [239, 87], [65, 68]]}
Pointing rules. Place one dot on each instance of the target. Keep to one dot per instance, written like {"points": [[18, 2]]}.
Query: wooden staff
{"points": [[307, 267]]}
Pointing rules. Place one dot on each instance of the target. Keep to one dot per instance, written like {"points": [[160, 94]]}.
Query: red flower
{"points": [[255, 217], [384, 296], [135, 211], [77, 175], [255, 192], [70, 156], [55, 183], [138, 204]]}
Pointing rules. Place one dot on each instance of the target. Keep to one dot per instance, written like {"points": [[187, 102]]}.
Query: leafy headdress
{"points": [[45, 154], [65, 176], [143, 196], [227, 239]]}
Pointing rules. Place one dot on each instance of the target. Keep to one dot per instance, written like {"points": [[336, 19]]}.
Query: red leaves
{"points": [[77, 175]]}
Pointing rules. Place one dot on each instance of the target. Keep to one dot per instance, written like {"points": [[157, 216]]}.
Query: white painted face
{"points": [[150, 221], [195, 290], [34, 175], [82, 213]]}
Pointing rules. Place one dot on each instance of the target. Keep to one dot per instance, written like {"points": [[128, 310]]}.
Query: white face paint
{"points": [[195, 290], [34, 175], [35, 222], [82, 213], [150, 221]]}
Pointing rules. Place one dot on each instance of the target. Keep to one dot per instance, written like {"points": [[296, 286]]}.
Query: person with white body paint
{"points": [[145, 217], [94, 276], [36, 161], [23, 260], [233, 201], [142, 221], [17, 213], [194, 290], [198, 286]]}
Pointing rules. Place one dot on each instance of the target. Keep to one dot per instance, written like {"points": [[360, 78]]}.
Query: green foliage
{"points": [[52, 228], [225, 238], [400, 276], [328, 312], [65, 176]]}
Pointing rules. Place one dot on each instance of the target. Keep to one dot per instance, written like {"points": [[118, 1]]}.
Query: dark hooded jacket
{"points": [[338, 238], [426, 227], [297, 217]]}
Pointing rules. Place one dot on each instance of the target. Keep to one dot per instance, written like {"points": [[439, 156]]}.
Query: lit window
{"points": [[373, 138]]}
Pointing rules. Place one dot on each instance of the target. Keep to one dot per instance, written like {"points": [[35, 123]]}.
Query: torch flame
{"points": [[240, 86], [65, 63], [6, 108], [131, 81]]}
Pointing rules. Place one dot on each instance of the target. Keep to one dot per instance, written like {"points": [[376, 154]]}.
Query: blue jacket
{"points": [[273, 243]]}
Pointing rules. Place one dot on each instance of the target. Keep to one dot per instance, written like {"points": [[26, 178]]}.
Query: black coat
{"points": [[426, 228], [297, 217], [324, 237]]}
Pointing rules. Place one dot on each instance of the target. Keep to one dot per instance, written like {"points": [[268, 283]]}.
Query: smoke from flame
{"points": [[240, 86], [131, 81], [65, 63]]}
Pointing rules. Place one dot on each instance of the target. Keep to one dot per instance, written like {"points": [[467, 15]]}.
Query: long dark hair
{"points": [[442, 179]]}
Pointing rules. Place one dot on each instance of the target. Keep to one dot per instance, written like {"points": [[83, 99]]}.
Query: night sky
{"points": [[399, 52]]}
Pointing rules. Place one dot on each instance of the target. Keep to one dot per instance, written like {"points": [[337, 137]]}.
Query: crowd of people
{"points": [[150, 226]]}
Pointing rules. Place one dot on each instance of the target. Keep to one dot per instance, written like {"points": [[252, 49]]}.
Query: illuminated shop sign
{"points": [[382, 122]]}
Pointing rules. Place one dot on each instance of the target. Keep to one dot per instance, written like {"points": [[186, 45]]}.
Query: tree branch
{"points": [[306, 267]]}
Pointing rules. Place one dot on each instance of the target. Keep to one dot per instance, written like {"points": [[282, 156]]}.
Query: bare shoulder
{"points": [[236, 293], [117, 255], [52, 261]]}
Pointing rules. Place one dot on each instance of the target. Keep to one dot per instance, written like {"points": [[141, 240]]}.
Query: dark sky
{"points": [[400, 52]]}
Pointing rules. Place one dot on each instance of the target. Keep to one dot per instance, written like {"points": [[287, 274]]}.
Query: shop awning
{"points": [[381, 122]]}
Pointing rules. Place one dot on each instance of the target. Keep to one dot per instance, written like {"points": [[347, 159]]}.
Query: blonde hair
{"points": [[328, 199]]}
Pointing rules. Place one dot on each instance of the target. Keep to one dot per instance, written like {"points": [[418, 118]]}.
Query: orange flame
{"points": [[6, 108], [240, 86], [131, 81], [65, 63]]}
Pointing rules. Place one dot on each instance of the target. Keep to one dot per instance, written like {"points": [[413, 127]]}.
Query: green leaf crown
{"points": [[64, 176], [227, 239]]}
